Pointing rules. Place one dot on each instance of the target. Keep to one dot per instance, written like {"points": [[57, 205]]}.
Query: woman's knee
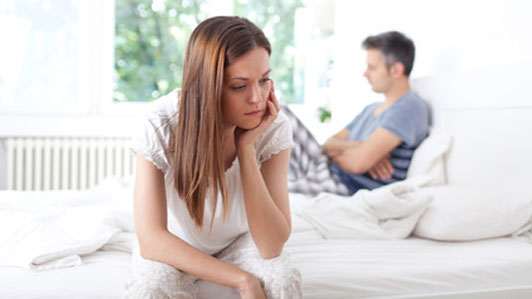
{"points": [[151, 279], [155, 290], [281, 280], [278, 277]]}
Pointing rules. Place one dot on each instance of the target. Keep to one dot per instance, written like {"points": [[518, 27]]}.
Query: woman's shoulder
{"points": [[153, 138], [281, 123], [165, 107], [276, 138], [281, 119], [280, 128]]}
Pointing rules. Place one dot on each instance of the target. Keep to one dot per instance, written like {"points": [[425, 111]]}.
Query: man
{"points": [[377, 146]]}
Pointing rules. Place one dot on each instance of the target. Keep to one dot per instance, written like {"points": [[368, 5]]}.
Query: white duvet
{"points": [[53, 229], [390, 212]]}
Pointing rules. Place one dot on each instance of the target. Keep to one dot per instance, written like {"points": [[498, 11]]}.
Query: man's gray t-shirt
{"points": [[407, 118]]}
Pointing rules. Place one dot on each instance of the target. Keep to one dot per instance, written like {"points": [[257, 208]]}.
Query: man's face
{"points": [[377, 73]]}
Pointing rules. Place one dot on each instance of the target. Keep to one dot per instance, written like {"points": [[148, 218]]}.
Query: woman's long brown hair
{"points": [[198, 135]]}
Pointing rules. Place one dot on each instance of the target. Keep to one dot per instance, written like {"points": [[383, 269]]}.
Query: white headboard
{"points": [[489, 115]]}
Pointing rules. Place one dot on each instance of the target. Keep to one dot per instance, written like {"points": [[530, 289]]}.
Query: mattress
{"points": [[405, 268], [410, 268]]}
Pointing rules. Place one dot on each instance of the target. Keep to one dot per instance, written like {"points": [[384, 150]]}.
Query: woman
{"points": [[215, 155]]}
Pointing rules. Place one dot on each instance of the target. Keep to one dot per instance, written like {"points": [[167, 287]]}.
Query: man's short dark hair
{"points": [[395, 47]]}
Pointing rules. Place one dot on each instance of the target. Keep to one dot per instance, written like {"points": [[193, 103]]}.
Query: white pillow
{"points": [[467, 213], [429, 158]]}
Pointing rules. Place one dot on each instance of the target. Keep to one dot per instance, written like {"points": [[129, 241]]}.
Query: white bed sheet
{"points": [[408, 268], [332, 269], [411, 268], [102, 275]]}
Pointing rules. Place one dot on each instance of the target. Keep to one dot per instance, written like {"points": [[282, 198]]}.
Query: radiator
{"points": [[66, 163]]}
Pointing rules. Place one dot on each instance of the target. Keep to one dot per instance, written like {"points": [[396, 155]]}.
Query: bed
{"points": [[337, 268], [470, 239], [404, 268]]}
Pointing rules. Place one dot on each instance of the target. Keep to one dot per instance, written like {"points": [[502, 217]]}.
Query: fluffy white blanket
{"points": [[525, 232], [52, 229], [389, 212]]}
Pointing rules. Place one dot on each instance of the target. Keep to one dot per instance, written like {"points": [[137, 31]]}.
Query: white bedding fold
{"points": [[389, 212], [52, 229], [525, 232]]}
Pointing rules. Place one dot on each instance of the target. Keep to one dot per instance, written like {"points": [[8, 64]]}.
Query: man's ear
{"points": [[397, 70]]}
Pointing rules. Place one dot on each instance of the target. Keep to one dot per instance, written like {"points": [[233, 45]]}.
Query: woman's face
{"points": [[246, 89]]}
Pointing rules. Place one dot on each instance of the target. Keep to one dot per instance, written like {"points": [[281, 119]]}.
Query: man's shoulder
{"points": [[370, 108], [412, 101], [412, 97], [372, 105]]}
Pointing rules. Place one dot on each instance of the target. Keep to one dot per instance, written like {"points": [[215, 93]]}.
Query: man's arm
{"points": [[338, 143], [383, 169], [363, 157]]}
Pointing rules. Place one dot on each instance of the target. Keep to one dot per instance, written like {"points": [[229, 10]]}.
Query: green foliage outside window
{"points": [[276, 18], [151, 36], [150, 43]]}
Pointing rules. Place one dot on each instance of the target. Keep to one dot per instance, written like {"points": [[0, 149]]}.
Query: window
{"points": [[62, 57], [151, 37], [43, 58]]}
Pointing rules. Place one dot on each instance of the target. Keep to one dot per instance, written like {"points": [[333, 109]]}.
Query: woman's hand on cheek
{"points": [[247, 138]]}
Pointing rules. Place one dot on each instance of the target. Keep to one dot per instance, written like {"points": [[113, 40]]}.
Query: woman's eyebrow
{"points": [[238, 78], [245, 79]]}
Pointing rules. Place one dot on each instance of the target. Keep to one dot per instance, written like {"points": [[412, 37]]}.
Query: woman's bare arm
{"points": [[158, 244], [266, 199]]}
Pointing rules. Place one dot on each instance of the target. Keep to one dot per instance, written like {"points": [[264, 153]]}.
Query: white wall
{"points": [[314, 32], [488, 113], [472, 65], [451, 37]]}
